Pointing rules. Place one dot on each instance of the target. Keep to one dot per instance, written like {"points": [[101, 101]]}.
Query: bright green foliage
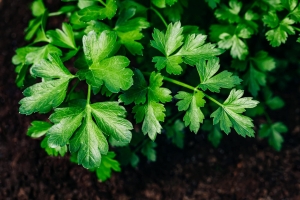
{"points": [[279, 35], [281, 28], [229, 114], [103, 67], [273, 133], [114, 62], [95, 12], [191, 103], [212, 82], [234, 42], [64, 38], [44, 96], [38, 8], [149, 151], [138, 92], [108, 164], [175, 132], [84, 135], [150, 112], [129, 30], [229, 13], [26, 56], [191, 51], [38, 129], [53, 151], [163, 3], [39, 11]]}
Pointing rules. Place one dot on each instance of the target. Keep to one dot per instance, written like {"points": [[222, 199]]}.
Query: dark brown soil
{"points": [[239, 169]]}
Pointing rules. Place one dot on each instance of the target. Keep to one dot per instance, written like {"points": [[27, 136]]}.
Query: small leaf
{"points": [[64, 38], [108, 164], [229, 115], [208, 79], [191, 103], [38, 129]]}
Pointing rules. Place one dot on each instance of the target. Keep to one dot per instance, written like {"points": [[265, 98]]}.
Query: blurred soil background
{"points": [[239, 169]]}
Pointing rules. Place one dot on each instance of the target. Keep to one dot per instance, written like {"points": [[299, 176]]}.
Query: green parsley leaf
{"points": [[279, 35], [53, 151], [175, 11], [229, 13], [137, 93], [110, 119], [169, 42], [84, 3], [104, 69], [149, 151], [194, 49], [273, 133], [150, 112], [38, 8], [38, 129], [208, 79], [66, 121], [108, 164], [191, 103], [229, 114], [271, 19], [290, 4], [239, 49], [84, 135], [129, 30], [212, 3], [35, 24], [44, 96], [89, 142], [40, 53], [163, 3], [254, 79], [64, 38], [95, 12], [191, 52]]}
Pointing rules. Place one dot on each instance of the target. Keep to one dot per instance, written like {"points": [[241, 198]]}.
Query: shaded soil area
{"points": [[239, 169]]}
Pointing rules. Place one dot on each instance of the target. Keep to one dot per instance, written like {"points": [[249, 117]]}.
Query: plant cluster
{"points": [[117, 74]]}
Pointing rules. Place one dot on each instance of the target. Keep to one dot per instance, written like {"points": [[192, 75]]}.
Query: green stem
{"points": [[213, 100], [72, 89], [195, 89], [180, 83], [160, 16], [268, 118], [55, 14], [102, 3], [88, 99], [297, 29]]}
